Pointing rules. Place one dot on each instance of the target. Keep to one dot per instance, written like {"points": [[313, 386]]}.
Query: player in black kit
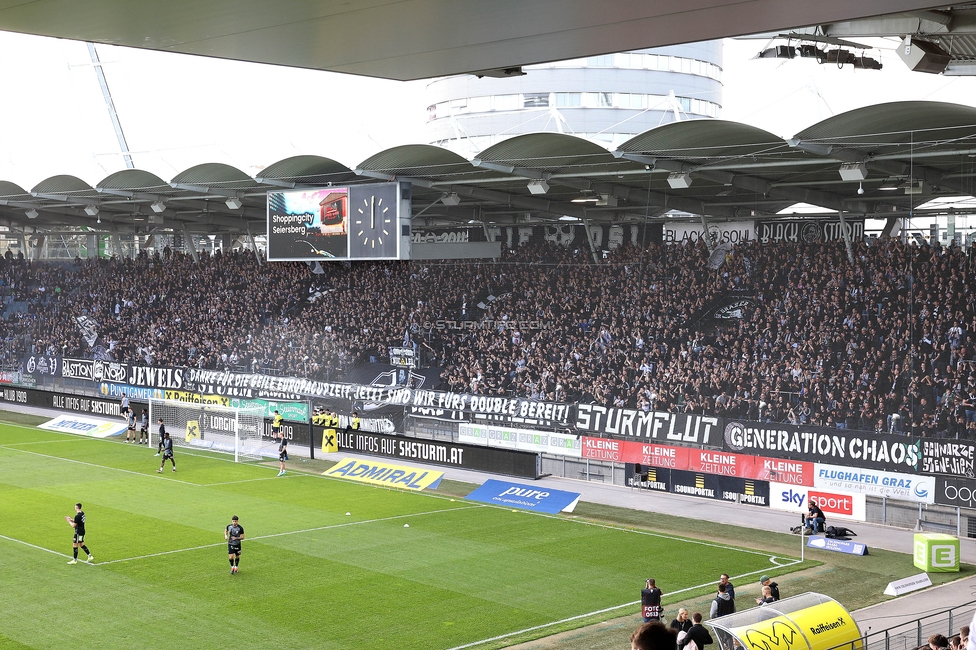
{"points": [[162, 434], [78, 523], [167, 443], [282, 454], [234, 533]]}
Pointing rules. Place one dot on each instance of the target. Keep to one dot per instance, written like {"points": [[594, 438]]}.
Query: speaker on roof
{"points": [[923, 56]]}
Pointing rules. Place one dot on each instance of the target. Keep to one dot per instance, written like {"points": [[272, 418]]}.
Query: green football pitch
{"points": [[326, 563]]}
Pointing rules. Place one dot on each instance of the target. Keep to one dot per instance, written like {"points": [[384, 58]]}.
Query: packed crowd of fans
{"points": [[885, 343]]}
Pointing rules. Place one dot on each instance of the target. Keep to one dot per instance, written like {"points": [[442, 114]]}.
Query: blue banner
{"points": [[839, 545], [526, 497]]}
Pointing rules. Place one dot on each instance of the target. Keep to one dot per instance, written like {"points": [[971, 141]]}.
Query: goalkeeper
{"points": [[162, 434]]}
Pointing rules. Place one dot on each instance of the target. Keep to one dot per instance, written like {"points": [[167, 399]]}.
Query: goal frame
{"points": [[241, 443]]}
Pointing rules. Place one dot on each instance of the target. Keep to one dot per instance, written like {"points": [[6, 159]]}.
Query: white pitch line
{"points": [[117, 469], [251, 480], [45, 442], [291, 532], [595, 613], [40, 548]]}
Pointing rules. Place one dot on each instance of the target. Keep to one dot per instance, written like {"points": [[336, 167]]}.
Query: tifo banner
{"points": [[525, 497], [84, 426], [951, 458], [664, 427], [904, 487], [41, 365], [560, 444], [698, 460], [401, 476], [824, 444], [795, 498], [808, 230]]}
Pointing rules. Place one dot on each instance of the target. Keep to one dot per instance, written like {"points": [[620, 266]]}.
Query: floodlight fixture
{"points": [[91, 210], [607, 200], [538, 186], [32, 213], [679, 180], [451, 199], [233, 203], [158, 206], [853, 171]]}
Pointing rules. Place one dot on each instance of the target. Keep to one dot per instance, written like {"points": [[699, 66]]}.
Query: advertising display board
{"points": [[955, 492], [356, 222], [488, 459], [904, 487], [794, 498], [698, 460], [559, 444], [376, 473], [525, 497]]}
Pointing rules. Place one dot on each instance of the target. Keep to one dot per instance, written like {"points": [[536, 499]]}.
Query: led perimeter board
{"points": [[354, 222]]}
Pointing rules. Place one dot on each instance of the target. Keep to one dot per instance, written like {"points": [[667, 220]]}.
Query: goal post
{"points": [[226, 429]]}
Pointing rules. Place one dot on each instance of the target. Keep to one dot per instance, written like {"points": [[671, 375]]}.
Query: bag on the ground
{"points": [[839, 532]]}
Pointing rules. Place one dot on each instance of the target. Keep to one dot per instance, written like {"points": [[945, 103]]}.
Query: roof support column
{"points": [[709, 244], [847, 237], [589, 238], [116, 244], [189, 243], [254, 248], [891, 225]]}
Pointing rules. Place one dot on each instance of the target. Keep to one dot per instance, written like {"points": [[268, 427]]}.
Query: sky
{"points": [[178, 111]]}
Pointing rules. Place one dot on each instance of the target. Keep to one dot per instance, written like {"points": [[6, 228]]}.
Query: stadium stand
{"points": [[885, 343]]}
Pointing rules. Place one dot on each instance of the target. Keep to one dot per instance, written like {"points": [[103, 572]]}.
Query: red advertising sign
{"points": [[720, 463], [829, 502]]}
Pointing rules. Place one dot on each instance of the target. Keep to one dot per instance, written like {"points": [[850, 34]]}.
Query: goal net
{"points": [[226, 429]]}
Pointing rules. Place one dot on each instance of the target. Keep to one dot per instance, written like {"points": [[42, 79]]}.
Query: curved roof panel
{"points": [[703, 140], [546, 151], [895, 122], [10, 190], [133, 179], [214, 174], [417, 160], [307, 170], [63, 184]]}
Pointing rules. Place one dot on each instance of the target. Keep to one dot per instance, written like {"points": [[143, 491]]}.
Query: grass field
{"points": [[311, 575]]}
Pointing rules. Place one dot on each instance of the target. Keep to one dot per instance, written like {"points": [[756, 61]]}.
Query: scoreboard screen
{"points": [[354, 222]]}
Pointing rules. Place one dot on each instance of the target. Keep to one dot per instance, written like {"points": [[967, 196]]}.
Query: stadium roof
{"points": [[901, 155], [418, 39]]}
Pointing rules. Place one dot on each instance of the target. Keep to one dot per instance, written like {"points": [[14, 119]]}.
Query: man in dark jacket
{"points": [[765, 581], [698, 633], [722, 604]]}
